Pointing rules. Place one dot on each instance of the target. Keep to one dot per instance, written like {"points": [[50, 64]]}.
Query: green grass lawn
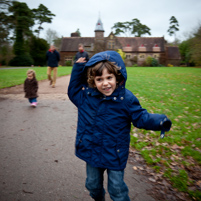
{"points": [[12, 77], [175, 92]]}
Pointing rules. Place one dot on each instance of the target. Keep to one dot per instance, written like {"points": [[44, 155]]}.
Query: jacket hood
{"points": [[111, 56]]}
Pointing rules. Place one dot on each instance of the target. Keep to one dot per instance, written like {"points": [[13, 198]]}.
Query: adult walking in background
{"points": [[81, 53], [52, 57]]}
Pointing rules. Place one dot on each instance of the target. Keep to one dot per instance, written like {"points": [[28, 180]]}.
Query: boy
{"points": [[105, 112]]}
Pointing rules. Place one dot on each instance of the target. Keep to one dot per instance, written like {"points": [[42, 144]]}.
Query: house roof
{"points": [[71, 43], [148, 42], [173, 53]]}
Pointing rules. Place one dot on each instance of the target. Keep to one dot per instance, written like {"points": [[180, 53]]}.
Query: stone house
{"points": [[136, 49]]}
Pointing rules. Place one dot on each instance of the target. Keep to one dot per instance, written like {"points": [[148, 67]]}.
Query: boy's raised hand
{"points": [[81, 60]]}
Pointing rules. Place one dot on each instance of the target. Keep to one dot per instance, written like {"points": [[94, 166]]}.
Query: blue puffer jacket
{"points": [[104, 122]]}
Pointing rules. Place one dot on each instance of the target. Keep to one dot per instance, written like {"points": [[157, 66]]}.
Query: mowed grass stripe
{"points": [[12, 77], [175, 92]]}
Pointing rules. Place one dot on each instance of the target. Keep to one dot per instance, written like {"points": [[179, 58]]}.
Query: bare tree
{"points": [[51, 35]]}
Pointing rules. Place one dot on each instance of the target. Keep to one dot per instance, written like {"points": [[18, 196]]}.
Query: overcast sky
{"points": [[83, 14]]}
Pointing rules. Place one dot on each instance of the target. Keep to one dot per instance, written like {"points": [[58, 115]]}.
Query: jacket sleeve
{"points": [[46, 56], [75, 58], [75, 91], [87, 57], [36, 84], [58, 56], [25, 86], [142, 119]]}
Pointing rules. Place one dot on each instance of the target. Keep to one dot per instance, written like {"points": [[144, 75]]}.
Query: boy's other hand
{"points": [[166, 125], [81, 60]]}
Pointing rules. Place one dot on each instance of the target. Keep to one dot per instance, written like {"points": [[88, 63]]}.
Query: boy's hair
{"points": [[97, 70], [80, 45], [31, 71]]}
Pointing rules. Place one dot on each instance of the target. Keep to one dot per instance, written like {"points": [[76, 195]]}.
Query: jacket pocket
{"points": [[122, 154], [78, 139], [84, 145]]}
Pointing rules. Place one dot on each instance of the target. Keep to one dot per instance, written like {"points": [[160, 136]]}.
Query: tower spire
{"points": [[99, 25]]}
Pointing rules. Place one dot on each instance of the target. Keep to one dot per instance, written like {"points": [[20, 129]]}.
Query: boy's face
{"points": [[81, 49], [30, 76], [52, 48], [106, 83]]}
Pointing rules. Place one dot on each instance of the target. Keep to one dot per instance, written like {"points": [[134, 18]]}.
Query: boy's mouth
{"points": [[107, 88]]}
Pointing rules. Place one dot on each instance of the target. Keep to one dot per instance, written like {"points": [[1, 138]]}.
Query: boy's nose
{"points": [[105, 82]]}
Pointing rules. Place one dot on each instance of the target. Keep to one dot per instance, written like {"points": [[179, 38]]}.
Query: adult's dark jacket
{"points": [[104, 122], [82, 54], [52, 58], [31, 88]]}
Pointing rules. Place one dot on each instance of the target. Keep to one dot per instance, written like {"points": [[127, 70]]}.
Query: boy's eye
{"points": [[98, 79], [109, 78]]}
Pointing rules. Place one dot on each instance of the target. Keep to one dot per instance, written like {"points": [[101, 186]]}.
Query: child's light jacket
{"points": [[104, 122]]}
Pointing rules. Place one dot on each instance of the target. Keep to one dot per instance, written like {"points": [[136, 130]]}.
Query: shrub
{"points": [[134, 59], [122, 54], [68, 63], [170, 65], [148, 61], [21, 60], [143, 64], [135, 65], [154, 62]]}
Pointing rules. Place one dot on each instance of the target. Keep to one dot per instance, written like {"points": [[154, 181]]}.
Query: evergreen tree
{"points": [[23, 20], [134, 27], [38, 48], [174, 26], [78, 31], [42, 15]]}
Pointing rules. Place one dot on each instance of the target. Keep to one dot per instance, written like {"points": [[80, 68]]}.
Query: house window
{"points": [[87, 48], [142, 56], [110, 45], [156, 48], [142, 48], [156, 56], [128, 56]]}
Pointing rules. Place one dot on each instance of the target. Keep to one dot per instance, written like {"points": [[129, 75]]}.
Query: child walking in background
{"points": [[31, 87], [106, 110]]}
